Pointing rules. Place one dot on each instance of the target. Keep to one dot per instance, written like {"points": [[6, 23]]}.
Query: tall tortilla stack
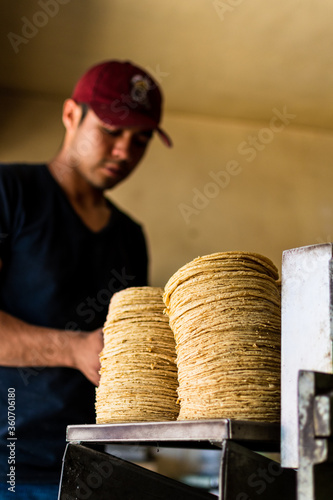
{"points": [[225, 312]]}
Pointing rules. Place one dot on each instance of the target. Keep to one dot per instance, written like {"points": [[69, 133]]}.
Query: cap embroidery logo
{"points": [[140, 87]]}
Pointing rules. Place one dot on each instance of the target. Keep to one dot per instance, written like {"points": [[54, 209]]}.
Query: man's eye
{"points": [[141, 140], [112, 133]]}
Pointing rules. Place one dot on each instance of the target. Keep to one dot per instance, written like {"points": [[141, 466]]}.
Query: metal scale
{"points": [[305, 435]]}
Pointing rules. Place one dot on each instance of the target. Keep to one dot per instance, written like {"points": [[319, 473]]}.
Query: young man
{"points": [[65, 249]]}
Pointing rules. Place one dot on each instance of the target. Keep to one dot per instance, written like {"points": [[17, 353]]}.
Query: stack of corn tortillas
{"points": [[224, 310], [138, 361]]}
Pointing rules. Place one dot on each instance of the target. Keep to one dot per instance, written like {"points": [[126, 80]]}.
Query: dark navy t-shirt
{"points": [[56, 273]]}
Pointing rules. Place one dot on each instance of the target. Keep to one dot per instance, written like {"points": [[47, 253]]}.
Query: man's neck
{"points": [[88, 202], [72, 182]]}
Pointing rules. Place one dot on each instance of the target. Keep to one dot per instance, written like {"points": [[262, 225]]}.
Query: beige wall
{"points": [[273, 196], [227, 78]]}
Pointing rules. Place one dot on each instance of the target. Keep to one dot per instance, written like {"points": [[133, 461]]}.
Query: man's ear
{"points": [[71, 114]]}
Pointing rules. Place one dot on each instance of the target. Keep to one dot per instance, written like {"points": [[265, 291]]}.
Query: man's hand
{"points": [[86, 348]]}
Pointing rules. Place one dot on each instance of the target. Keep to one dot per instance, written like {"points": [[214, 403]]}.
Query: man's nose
{"points": [[121, 147]]}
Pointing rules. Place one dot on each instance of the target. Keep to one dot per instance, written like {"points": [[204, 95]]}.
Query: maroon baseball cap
{"points": [[122, 94]]}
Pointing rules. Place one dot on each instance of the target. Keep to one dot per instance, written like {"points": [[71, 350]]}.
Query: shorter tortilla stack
{"points": [[138, 369]]}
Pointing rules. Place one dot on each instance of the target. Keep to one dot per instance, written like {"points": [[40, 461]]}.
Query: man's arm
{"points": [[22, 344]]}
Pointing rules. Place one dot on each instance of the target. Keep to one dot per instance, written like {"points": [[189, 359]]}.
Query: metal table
{"points": [[244, 474], [184, 432], [201, 433]]}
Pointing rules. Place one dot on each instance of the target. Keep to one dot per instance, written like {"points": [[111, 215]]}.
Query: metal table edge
{"points": [[186, 431]]}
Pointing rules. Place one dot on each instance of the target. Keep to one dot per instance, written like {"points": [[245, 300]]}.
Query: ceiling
{"points": [[235, 59]]}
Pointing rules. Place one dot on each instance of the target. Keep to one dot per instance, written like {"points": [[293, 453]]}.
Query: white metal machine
{"points": [[307, 332]]}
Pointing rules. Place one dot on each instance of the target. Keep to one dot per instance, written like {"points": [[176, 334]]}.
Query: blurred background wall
{"points": [[248, 91]]}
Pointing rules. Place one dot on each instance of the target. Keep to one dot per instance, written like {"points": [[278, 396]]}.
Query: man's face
{"points": [[105, 155]]}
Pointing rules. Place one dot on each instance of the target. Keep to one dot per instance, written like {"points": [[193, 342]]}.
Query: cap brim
{"points": [[125, 118], [164, 137]]}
